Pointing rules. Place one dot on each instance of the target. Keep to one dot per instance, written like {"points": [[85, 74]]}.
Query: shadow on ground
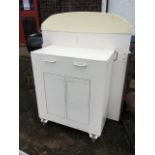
{"points": [[56, 139]]}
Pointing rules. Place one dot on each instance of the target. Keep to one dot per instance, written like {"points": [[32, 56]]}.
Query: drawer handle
{"points": [[116, 56], [78, 64], [50, 61]]}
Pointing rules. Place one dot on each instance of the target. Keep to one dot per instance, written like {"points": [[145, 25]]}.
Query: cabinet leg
{"points": [[93, 137]]}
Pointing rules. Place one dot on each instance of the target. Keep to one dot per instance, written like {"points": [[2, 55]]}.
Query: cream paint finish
{"points": [[87, 22]]}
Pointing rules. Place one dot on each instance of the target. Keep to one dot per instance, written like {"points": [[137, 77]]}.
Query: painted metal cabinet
{"points": [[94, 30], [79, 78], [72, 86]]}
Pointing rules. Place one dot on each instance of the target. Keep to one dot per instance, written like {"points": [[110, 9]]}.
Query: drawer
{"points": [[76, 67]]}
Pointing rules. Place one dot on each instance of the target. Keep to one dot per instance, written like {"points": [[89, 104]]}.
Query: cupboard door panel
{"points": [[55, 94], [78, 94]]}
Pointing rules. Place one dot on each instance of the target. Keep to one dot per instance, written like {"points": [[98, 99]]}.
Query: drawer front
{"points": [[71, 66]]}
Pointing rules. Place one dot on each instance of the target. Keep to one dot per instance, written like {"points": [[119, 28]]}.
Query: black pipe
{"points": [[107, 6]]}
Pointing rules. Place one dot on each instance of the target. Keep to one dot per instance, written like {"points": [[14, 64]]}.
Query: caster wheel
{"points": [[93, 140], [43, 124], [44, 121], [93, 137]]}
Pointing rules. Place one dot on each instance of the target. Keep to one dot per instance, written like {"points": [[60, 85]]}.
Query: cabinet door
{"points": [[78, 94], [55, 94]]}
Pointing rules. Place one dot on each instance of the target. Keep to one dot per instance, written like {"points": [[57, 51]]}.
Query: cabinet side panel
{"points": [[107, 91], [39, 84], [117, 84]]}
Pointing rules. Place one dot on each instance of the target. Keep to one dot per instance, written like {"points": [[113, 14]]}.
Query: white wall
{"points": [[124, 8], [104, 3]]}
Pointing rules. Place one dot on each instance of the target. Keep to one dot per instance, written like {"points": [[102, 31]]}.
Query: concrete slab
{"points": [[56, 139]]}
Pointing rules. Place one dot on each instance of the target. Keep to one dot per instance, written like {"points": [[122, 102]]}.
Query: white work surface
{"points": [[84, 53]]}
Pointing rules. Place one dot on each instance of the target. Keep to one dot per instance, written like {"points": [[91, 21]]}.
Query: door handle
{"points": [[79, 64], [50, 61]]}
